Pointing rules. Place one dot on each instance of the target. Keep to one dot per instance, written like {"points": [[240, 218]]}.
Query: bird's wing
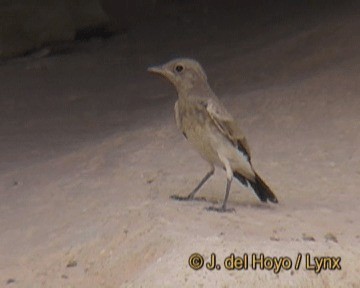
{"points": [[177, 116], [227, 125], [177, 119]]}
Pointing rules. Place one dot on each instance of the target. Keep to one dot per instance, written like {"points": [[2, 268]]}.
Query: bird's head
{"points": [[185, 74]]}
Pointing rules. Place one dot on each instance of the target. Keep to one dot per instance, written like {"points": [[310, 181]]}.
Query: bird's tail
{"points": [[259, 186]]}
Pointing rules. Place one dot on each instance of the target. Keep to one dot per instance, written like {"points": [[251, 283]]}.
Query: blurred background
{"points": [[27, 26]]}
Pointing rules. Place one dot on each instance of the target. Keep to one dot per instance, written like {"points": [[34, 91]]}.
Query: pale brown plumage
{"points": [[210, 128]]}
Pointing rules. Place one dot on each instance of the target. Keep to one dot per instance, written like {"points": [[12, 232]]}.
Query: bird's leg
{"points": [[229, 175], [191, 196], [228, 185], [223, 206]]}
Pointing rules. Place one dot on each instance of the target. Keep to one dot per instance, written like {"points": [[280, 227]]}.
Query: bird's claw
{"points": [[220, 209], [187, 198]]}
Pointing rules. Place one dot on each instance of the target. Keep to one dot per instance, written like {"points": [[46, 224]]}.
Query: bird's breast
{"points": [[197, 125]]}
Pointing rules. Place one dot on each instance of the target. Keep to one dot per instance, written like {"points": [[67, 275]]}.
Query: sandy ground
{"points": [[90, 155]]}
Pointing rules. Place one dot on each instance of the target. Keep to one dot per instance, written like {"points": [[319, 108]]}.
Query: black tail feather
{"points": [[259, 186]]}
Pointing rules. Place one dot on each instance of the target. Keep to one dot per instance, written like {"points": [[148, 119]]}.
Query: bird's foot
{"points": [[220, 209], [187, 198]]}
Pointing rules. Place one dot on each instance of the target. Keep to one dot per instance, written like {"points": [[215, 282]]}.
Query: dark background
{"points": [[27, 26]]}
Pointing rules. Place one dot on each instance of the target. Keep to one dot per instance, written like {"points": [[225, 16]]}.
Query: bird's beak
{"points": [[156, 69], [161, 70]]}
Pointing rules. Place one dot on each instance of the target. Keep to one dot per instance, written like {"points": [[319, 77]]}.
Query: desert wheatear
{"points": [[211, 129]]}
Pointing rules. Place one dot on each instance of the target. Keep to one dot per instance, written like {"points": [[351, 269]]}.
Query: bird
{"points": [[211, 129]]}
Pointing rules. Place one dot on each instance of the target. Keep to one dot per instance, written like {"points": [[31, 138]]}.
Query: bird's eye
{"points": [[179, 68]]}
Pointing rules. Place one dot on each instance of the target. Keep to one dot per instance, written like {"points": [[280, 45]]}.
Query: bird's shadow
{"points": [[259, 205], [246, 204]]}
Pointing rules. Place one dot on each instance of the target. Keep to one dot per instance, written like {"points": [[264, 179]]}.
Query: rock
{"points": [[10, 280], [306, 237], [29, 25], [71, 263], [331, 237]]}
